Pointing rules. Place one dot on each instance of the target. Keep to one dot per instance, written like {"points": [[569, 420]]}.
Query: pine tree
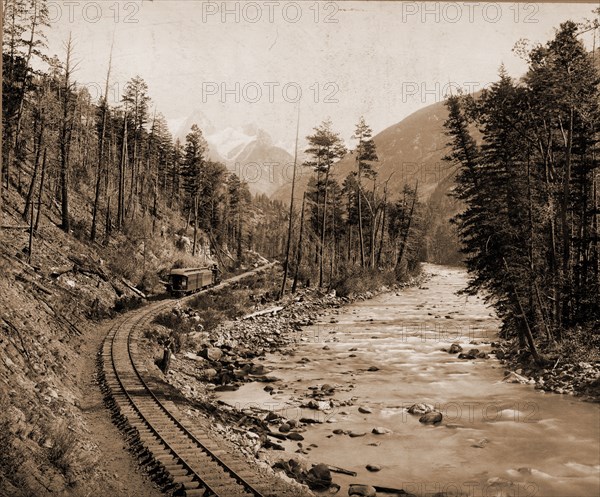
{"points": [[325, 148], [366, 154]]}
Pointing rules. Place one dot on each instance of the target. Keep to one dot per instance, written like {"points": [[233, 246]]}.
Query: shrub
{"points": [[150, 283], [127, 303], [360, 280], [581, 344], [174, 322], [10, 458], [63, 446], [122, 261]]}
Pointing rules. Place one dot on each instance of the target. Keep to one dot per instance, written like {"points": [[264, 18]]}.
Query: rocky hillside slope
{"points": [[56, 435]]}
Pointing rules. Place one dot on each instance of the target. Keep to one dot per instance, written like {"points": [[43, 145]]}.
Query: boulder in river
{"points": [[420, 408], [431, 418], [319, 477], [355, 434], [513, 377], [327, 389], [455, 348], [362, 490], [380, 430]]}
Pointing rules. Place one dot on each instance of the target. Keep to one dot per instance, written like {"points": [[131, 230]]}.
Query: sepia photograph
{"points": [[272, 248]]}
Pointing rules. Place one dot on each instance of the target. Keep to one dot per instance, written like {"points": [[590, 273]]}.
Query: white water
{"points": [[537, 444]]}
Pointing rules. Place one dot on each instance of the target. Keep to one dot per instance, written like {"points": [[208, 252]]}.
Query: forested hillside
{"points": [[107, 169], [530, 229], [411, 153]]}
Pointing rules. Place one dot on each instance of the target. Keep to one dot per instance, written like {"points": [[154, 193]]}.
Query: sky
{"points": [[262, 62]]}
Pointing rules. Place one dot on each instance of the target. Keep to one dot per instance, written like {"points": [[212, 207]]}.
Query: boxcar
{"points": [[189, 280]]}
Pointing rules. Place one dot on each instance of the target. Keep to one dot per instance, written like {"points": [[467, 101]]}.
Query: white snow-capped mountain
{"points": [[247, 151]]}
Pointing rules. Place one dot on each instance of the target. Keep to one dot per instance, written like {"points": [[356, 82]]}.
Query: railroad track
{"points": [[180, 456]]}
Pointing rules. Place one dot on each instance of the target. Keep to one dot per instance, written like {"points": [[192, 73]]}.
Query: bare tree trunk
{"points": [[566, 228], [36, 163], [300, 241], [333, 248], [121, 193], [398, 268], [30, 248], [373, 229], [34, 24], [41, 192], [323, 226], [291, 214], [65, 142], [107, 222], [239, 234], [100, 154], [528, 334], [383, 220], [195, 224], [360, 223]]}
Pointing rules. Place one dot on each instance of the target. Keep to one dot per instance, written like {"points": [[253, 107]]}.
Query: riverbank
{"points": [[345, 401], [338, 390], [562, 375], [214, 359]]}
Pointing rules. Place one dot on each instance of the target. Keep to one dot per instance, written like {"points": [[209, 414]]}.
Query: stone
{"points": [[212, 353], [365, 410], [319, 477], [258, 369], [310, 421], [284, 428], [420, 408], [210, 373], [271, 416], [380, 430], [373, 467], [294, 435], [481, 444], [193, 357], [455, 348], [355, 434], [431, 418], [362, 490], [373, 368], [513, 377]]}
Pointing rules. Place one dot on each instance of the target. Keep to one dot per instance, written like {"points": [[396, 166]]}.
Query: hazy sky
{"points": [[247, 62]]}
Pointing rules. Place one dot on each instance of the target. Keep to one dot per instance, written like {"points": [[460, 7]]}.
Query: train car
{"points": [[185, 281]]}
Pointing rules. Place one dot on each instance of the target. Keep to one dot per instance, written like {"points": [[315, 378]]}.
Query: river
{"points": [[495, 439]]}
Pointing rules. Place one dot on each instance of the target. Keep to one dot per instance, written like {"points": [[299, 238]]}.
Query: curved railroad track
{"points": [[180, 457]]}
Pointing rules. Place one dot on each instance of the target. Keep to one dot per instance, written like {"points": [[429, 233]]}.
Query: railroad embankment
{"points": [[55, 433]]}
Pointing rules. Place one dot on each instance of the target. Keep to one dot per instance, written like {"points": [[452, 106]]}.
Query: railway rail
{"points": [[180, 456]]}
